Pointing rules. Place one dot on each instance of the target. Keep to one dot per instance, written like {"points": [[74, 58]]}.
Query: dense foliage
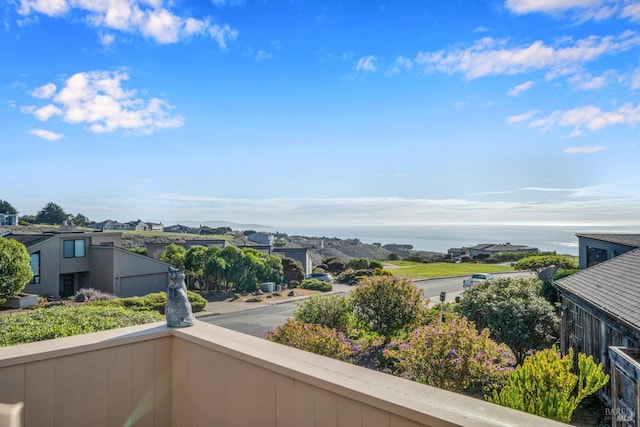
{"points": [[292, 270], [314, 338], [51, 214], [15, 268], [335, 265], [514, 312], [545, 384], [174, 254], [452, 356], [6, 208], [230, 267], [151, 302], [332, 311], [316, 285], [62, 321], [388, 304], [534, 263]]}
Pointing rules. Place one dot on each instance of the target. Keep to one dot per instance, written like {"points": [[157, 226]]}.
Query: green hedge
{"points": [[316, 285], [63, 321], [152, 302]]}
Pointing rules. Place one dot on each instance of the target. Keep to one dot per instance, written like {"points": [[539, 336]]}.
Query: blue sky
{"points": [[323, 113]]}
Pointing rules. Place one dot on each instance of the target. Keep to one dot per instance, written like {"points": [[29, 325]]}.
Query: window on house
{"points": [[35, 268], [74, 248]]}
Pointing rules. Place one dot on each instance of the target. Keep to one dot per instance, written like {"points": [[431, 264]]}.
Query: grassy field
{"points": [[417, 270]]}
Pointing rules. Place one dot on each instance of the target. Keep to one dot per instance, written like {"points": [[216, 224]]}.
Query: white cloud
{"points": [[582, 10], [590, 118], [46, 112], [528, 6], [45, 134], [147, 17], [588, 82], [262, 55], [488, 56], [583, 150], [44, 92], [367, 64], [98, 99], [549, 189], [398, 65], [107, 40], [519, 118], [631, 11], [517, 90], [635, 79]]}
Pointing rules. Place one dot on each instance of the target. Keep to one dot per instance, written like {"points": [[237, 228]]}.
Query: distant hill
{"points": [[220, 223]]}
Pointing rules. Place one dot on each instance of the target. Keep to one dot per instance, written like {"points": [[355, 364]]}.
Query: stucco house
{"points": [[496, 248], [64, 262], [8, 219], [600, 312]]}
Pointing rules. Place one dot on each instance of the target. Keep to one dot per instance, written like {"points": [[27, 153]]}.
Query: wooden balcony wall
{"points": [[204, 375]]}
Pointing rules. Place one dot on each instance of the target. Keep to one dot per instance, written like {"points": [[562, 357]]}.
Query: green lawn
{"points": [[417, 270]]}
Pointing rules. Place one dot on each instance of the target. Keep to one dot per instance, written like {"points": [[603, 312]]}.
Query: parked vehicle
{"points": [[476, 278], [325, 277]]}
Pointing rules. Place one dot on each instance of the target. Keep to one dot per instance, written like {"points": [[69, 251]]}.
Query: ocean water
{"points": [[439, 238]]}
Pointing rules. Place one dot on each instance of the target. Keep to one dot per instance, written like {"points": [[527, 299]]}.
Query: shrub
{"points": [[373, 264], [335, 265], [316, 285], [152, 302], [388, 304], [514, 312], [358, 264], [90, 294], [534, 263], [15, 268], [294, 284], [452, 356], [544, 385], [62, 321], [331, 311], [314, 338]]}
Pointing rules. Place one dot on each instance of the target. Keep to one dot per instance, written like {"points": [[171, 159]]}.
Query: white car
{"points": [[476, 278]]}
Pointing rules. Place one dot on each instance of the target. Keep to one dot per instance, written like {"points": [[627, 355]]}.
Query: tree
{"points": [[292, 270], [15, 268], [215, 268], [514, 312], [174, 254], [545, 384], [194, 263], [6, 208], [81, 220], [388, 304], [51, 214]]}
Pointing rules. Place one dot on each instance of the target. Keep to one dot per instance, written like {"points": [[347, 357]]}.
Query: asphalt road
{"points": [[257, 322]]}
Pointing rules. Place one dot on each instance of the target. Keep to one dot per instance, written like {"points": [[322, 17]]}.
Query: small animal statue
{"points": [[178, 308]]}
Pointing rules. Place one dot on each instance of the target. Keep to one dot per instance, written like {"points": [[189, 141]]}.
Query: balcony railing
{"points": [[205, 375]]}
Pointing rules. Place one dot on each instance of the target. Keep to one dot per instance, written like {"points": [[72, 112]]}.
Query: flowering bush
{"points": [[453, 356], [388, 304], [330, 311], [314, 338], [91, 294]]}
